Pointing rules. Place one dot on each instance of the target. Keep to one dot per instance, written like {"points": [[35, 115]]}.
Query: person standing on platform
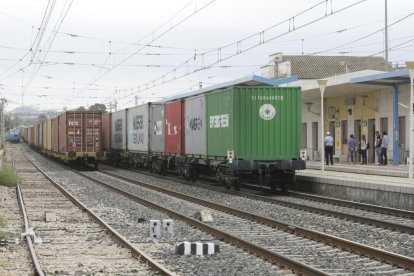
{"points": [[364, 147], [384, 147], [378, 142], [329, 148], [352, 147]]}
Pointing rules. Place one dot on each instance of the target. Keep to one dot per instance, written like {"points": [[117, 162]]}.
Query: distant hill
{"points": [[31, 112]]}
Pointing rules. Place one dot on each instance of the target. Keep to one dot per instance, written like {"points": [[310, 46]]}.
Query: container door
{"points": [[157, 128], [118, 130], [92, 133], [138, 128], [220, 123], [173, 129], [74, 126], [106, 131], [195, 126]]}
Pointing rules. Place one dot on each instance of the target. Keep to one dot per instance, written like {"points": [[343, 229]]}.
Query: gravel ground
{"points": [[123, 215], [14, 259], [376, 237]]}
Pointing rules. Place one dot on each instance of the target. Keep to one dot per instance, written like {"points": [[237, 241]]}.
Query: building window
{"points": [[401, 134], [383, 125], [304, 135], [344, 132]]}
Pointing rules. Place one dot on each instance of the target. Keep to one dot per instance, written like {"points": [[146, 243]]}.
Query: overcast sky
{"points": [[106, 51]]}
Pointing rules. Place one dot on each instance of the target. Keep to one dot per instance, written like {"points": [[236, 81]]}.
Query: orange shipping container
{"points": [[80, 131]]}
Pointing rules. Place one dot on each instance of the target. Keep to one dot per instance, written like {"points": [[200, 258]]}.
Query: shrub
{"points": [[7, 176], [2, 224]]}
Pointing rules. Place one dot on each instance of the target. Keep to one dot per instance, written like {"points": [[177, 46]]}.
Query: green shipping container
{"points": [[255, 122]]}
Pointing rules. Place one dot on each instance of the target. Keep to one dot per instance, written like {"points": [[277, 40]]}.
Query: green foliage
{"points": [[2, 225], [42, 118], [98, 107], [7, 176], [80, 108]]}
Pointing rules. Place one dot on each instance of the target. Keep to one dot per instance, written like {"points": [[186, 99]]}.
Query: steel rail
{"points": [[264, 253], [135, 251], [364, 220], [35, 260], [378, 254], [357, 205]]}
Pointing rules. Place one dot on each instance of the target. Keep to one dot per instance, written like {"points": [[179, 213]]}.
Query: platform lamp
{"points": [[322, 85], [410, 67]]}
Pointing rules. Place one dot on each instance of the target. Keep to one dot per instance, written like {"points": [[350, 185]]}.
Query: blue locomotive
{"points": [[14, 135]]}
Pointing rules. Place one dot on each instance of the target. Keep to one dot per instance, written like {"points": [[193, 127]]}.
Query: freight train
{"points": [[242, 131], [14, 135], [71, 137]]}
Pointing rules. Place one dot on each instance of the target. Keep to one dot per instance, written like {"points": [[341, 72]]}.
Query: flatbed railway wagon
{"points": [[244, 133], [76, 136], [238, 132]]}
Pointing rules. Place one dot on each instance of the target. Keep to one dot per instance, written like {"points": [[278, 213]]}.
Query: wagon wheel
{"points": [[236, 183]]}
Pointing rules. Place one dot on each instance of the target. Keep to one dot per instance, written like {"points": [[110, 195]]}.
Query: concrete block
{"points": [[204, 216], [183, 248], [197, 248], [155, 228], [168, 227]]}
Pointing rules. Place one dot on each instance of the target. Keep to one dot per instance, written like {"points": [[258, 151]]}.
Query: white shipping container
{"points": [[157, 128], [195, 126], [138, 128], [118, 130]]}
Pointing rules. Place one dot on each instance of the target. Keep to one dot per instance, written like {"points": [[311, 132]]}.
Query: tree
{"points": [[7, 122], [80, 108], [42, 117], [98, 107]]}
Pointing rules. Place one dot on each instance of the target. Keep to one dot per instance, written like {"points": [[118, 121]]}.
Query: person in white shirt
{"points": [[328, 148]]}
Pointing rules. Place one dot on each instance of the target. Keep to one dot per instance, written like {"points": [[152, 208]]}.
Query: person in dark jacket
{"points": [[378, 142], [352, 147], [384, 148]]}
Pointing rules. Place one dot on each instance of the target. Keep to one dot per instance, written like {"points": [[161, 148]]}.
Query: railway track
{"points": [[67, 239], [384, 217], [374, 253], [124, 215], [270, 240], [290, 242]]}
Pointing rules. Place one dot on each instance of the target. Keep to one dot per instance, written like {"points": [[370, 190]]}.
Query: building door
{"points": [[357, 136], [401, 141], [304, 135], [371, 139], [315, 136], [383, 125], [332, 131], [344, 136]]}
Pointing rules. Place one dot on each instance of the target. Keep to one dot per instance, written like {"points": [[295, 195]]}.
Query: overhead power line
{"points": [[154, 36], [363, 37], [240, 46]]}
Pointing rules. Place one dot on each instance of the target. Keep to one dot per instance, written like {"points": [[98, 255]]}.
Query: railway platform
{"points": [[373, 184]]}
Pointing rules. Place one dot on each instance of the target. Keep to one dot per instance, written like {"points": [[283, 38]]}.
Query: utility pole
{"points": [[3, 103], [386, 32]]}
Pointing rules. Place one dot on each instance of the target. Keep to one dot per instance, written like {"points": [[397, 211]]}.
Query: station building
{"points": [[361, 97]]}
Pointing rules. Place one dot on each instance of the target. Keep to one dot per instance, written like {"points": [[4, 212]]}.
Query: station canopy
{"points": [[398, 78], [252, 80]]}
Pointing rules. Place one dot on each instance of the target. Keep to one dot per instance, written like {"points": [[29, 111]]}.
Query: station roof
{"points": [[400, 77], [252, 80]]}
